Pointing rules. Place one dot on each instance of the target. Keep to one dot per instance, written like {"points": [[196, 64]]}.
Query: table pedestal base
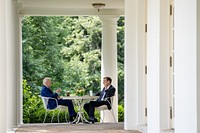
{"points": [[80, 117]]}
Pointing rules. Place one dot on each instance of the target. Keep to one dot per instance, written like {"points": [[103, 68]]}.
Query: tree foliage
{"points": [[67, 49]]}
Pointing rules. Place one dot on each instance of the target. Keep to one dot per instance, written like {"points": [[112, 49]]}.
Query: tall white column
{"points": [[187, 66], [19, 72], [164, 64], [11, 37], [198, 66], [135, 61], [158, 66], [3, 113], [131, 65], [141, 61], [109, 58]]}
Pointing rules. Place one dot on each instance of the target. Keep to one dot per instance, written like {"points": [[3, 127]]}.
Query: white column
{"points": [[135, 56], [131, 65], [19, 72], [11, 37], [158, 65], [109, 58], [3, 113], [141, 61], [198, 66], [187, 66]]}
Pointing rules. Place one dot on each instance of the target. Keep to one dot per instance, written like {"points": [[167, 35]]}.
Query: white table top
{"points": [[80, 97]]}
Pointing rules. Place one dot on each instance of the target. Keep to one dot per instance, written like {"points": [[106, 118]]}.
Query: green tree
{"points": [[41, 47], [120, 59], [67, 49], [82, 54]]}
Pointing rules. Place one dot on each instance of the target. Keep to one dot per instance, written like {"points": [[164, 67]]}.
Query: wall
{"points": [[131, 65], [3, 100], [11, 44], [185, 66]]}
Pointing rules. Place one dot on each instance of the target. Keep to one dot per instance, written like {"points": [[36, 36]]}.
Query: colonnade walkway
{"points": [[73, 128]]}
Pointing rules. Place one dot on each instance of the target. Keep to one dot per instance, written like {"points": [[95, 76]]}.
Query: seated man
{"points": [[108, 91], [47, 92]]}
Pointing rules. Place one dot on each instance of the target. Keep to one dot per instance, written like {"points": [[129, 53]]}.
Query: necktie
{"points": [[103, 96]]}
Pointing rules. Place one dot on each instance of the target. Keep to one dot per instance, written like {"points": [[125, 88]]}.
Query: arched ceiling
{"points": [[69, 7]]}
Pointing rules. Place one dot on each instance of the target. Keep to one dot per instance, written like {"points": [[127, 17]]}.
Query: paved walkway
{"points": [[74, 128]]}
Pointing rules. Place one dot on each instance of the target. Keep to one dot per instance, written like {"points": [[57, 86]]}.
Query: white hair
{"points": [[45, 80]]}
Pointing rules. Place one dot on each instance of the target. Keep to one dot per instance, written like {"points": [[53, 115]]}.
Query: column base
{"points": [[142, 128], [12, 130], [168, 131]]}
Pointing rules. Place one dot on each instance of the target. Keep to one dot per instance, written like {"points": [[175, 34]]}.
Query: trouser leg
{"points": [[92, 106], [87, 107], [69, 104]]}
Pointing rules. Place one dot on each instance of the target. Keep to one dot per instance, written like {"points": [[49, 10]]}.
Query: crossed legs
{"points": [[90, 108]]}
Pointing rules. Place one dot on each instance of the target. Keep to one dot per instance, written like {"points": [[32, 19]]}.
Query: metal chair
{"points": [[104, 107], [45, 101]]}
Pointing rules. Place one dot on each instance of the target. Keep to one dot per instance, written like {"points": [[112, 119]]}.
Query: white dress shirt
{"points": [[104, 93]]}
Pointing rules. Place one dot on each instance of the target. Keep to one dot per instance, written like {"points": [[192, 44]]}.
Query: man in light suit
{"points": [[107, 92], [47, 92]]}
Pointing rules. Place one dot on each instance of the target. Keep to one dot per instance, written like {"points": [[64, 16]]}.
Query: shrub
{"points": [[120, 113]]}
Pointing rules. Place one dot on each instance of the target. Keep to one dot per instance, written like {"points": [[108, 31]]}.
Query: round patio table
{"points": [[80, 101]]}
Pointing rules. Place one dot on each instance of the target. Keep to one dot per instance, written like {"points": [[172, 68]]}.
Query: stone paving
{"points": [[74, 128]]}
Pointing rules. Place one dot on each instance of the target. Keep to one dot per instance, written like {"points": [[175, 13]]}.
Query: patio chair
{"points": [[45, 101], [104, 107]]}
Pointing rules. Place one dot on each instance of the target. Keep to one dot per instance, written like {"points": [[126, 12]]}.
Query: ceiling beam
{"points": [[110, 4], [69, 12]]}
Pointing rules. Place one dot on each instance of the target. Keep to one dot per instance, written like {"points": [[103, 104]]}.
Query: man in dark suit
{"points": [[47, 92], [107, 92]]}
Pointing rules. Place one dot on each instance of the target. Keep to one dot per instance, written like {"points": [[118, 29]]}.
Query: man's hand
{"points": [[58, 90]]}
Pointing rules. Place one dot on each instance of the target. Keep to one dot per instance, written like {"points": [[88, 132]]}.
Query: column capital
{"points": [[21, 17], [109, 19]]}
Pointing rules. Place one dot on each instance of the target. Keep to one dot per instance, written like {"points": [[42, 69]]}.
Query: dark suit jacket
{"points": [[109, 93], [46, 92]]}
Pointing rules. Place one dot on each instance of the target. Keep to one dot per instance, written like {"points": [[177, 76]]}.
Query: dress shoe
{"points": [[91, 120], [71, 118], [95, 119]]}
